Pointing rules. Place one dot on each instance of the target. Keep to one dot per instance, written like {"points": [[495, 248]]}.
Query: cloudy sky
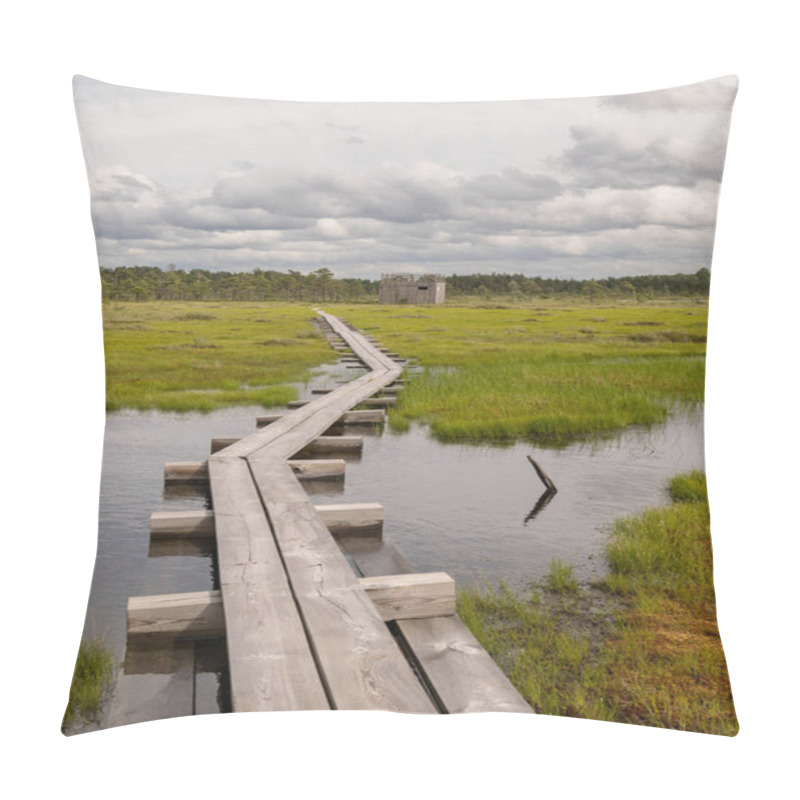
{"points": [[559, 188]]}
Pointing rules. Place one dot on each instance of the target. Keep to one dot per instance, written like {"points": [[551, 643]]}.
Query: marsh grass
{"points": [[550, 374], [561, 578], [642, 646], [93, 674], [184, 357], [545, 373]]}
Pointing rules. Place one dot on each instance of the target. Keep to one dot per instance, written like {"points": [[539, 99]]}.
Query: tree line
{"points": [[154, 283]]}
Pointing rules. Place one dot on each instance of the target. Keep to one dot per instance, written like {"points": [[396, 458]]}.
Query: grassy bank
{"points": [[549, 374], [93, 674], [202, 356], [641, 647]]}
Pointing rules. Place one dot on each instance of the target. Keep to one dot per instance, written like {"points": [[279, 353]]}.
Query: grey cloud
{"points": [[390, 196], [513, 183], [605, 158]]}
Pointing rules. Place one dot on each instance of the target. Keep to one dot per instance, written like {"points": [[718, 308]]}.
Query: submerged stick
{"points": [[543, 476]]}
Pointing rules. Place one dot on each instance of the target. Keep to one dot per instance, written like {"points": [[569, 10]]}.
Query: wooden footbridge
{"points": [[304, 629]]}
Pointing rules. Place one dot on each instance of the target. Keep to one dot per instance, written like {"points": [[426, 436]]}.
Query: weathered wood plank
{"points": [[334, 444], [186, 471], [379, 402], [416, 595], [190, 614], [314, 468], [349, 519], [463, 674], [341, 519], [271, 663], [311, 468], [322, 444], [197, 615], [175, 523], [363, 416], [362, 665]]}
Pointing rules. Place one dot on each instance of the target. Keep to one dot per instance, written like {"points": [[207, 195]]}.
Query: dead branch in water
{"points": [[543, 476]]}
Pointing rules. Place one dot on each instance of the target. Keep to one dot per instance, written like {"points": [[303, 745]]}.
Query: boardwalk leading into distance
{"points": [[303, 629]]}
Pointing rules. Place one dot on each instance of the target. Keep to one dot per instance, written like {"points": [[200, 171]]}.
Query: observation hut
{"points": [[404, 288]]}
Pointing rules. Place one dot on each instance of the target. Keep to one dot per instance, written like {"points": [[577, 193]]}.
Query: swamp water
{"points": [[463, 509]]}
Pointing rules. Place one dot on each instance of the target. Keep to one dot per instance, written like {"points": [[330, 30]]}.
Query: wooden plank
{"points": [[462, 673], [185, 471], [364, 416], [334, 444], [271, 663], [417, 595], [200, 614], [312, 468], [341, 519], [221, 442], [315, 468], [361, 662], [182, 523], [352, 519], [379, 402], [188, 615], [322, 444]]}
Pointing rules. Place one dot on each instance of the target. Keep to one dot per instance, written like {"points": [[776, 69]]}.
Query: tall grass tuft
{"points": [[94, 671], [561, 578]]}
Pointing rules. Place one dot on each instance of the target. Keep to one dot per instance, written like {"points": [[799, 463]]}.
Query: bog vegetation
{"points": [[545, 373], [549, 373], [203, 356], [642, 646], [94, 670]]}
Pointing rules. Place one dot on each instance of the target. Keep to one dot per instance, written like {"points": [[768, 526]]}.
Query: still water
{"points": [[463, 509]]}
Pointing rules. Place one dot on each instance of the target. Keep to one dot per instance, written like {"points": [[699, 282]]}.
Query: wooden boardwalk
{"points": [[303, 629]]}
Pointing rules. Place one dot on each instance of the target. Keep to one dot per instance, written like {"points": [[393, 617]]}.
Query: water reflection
{"points": [[541, 504]]}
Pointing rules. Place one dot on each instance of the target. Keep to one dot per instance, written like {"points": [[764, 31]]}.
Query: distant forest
{"points": [[154, 283]]}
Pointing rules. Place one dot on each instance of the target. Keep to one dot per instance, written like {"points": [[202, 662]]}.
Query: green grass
{"points": [[94, 670], [561, 579], [688, 487], [641, 647], [545, 373], [548, 374], [204, 356]]}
